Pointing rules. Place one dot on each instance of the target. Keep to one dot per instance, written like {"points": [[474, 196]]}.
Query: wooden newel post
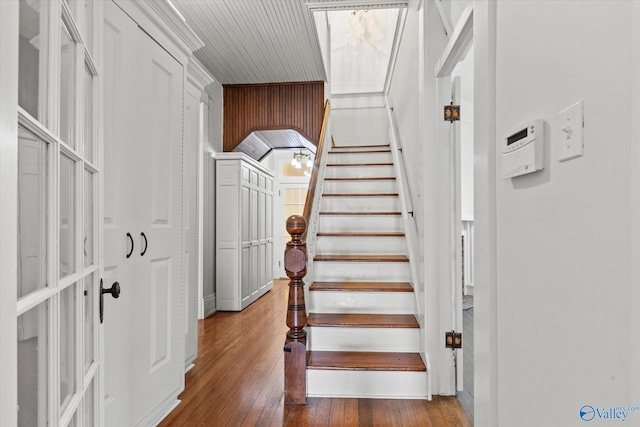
{"points": [[295, 346]]}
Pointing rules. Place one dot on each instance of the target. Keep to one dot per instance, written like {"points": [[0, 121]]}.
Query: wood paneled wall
{"points": [[247, 108]]}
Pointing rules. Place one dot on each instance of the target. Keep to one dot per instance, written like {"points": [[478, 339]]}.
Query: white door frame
{"points": [[9, 19], [486, 278]]}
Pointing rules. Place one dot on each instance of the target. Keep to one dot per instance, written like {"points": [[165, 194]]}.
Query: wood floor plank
{"points": [[361, 320], [238, 380]]}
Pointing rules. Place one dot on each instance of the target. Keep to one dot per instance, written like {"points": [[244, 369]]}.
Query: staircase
{"points": [[363, 336]]}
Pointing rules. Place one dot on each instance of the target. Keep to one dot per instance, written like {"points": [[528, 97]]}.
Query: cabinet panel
{"points": [[246, 274], [253, 252]]}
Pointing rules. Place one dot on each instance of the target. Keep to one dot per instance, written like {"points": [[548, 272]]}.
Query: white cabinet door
{"points": [[143, 197], [120, 48], [159, 357]]}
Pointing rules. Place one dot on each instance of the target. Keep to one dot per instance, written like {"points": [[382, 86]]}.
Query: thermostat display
{"points": [[523, 150]]}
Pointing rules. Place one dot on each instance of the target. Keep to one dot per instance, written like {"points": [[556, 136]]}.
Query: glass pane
{"points": [[89, 321], [67, 344], [89, 405], [67, 218], [29, 58], [32, 367], [67, 104], [88, 218], [88, 115], [32, 212]]}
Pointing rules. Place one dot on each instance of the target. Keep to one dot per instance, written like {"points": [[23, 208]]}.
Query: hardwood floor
{"points": [[238, 381]]}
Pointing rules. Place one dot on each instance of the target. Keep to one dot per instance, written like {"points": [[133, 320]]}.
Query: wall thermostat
{"points": [[523, 150]]}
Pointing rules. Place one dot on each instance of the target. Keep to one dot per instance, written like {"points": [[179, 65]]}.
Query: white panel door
{"points": [[158, 294], [120, 47], [143, 220]]}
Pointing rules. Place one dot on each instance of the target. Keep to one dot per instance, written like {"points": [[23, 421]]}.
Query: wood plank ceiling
{"points": [[255, 41]]}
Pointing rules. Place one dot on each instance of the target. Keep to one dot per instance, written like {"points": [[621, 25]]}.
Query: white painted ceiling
{"points": [[255, 41]]}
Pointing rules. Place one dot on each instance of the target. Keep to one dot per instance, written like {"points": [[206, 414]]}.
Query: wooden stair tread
{"points": [[372, 150], [359, 146], [365, 361], [360, 213], [360, 195], [359, 164], [362, 258], [362, 286], [357, 320], [371, 178], [361, 234]]}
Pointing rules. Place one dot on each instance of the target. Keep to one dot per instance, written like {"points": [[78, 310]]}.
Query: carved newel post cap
{"points": [[296, 225]]}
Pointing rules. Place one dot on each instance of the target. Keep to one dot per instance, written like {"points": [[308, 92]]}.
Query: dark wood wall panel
{"points": [[247, 108]]}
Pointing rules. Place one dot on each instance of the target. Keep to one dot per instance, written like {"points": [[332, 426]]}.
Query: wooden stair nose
{"points": [[365, 151], [371, 178], [361, 234], [362, 286], [365, 361], [357, 164], [358, 320], [359, 213], [360, 195], [362, 258], [337, 147]]}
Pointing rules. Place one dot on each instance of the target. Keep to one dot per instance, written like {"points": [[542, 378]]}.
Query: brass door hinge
{"points": [[453, 339], [451, 113]]}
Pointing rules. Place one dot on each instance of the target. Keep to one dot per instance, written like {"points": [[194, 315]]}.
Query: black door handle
{"points": [[131, 239], [146, 244], [114, 290]]}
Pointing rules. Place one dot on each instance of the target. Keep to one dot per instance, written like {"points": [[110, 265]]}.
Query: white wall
{"points": [[563, 235], [213, 144], [360, 126]]}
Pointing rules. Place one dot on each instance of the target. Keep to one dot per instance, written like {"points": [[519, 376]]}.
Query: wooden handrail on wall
{"points": [[311, 191]]}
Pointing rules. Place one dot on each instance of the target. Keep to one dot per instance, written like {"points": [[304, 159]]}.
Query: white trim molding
{"points": [[458, 45], [316, 6], [198, 75]]}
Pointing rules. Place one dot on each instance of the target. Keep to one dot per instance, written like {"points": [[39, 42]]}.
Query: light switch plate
{"points": [[571, 132]]}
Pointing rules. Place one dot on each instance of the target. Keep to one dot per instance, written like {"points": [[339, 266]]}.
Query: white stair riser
{"points": [[356, 223], [361, 271], [334, 245], [359, 171], [404, 340], [359, 187], [361, 302], [354, 157], [367, 384], [360, 204]]}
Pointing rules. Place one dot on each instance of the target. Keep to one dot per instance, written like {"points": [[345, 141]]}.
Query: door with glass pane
{"points": [[57, 179]]}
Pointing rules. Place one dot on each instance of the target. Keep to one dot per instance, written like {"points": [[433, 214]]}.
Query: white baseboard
{"points": [[209, 305]]}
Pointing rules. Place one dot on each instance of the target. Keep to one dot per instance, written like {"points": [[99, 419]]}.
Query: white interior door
{"points": [[143, 224], [158, 321], [120, 123]]}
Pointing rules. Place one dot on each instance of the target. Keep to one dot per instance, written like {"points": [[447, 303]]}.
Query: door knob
{"points": [[114, 290]]}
